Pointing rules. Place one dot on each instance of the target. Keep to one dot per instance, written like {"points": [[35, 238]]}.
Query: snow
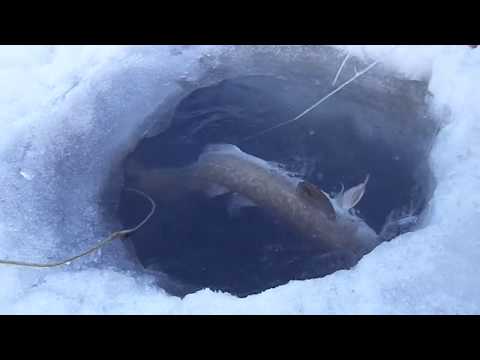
{"points": [[67, 110]]}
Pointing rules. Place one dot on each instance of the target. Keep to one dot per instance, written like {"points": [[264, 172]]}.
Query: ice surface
{"points": [[67, 112]]}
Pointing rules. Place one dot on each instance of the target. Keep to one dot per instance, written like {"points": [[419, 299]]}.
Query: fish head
{"points": [[316, 197]]}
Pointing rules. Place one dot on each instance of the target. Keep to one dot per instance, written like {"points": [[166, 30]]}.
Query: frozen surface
{"points": [[68, 112]]}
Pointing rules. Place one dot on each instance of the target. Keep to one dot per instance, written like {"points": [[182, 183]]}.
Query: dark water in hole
{"points": [[197, 241]]}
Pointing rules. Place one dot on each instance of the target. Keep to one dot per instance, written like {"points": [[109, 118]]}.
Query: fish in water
{"points": [[296, 202]]}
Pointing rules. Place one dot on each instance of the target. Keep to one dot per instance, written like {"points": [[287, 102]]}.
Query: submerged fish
{"points": [[327, 222]]}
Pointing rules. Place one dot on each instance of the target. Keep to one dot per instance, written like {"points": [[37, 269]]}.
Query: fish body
{"points": [[297, 203]]}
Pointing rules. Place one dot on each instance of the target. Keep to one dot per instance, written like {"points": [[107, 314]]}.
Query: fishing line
{"points": [[116, 235], [315, 105]]}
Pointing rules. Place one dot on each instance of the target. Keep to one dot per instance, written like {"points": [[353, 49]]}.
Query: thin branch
{"points": [[336, 90], [298, 117], [340, 69]]}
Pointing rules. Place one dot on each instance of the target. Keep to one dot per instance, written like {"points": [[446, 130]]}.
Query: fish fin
{"points": [[237, 203], [317, 197], [214, 190], [352, 196], [225, 148], [339, 196]]}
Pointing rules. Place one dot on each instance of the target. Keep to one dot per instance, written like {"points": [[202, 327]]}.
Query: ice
{"points": [[67, 111]]}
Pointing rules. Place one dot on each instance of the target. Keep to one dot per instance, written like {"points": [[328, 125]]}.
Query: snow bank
{"points": [[67, 111]]}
